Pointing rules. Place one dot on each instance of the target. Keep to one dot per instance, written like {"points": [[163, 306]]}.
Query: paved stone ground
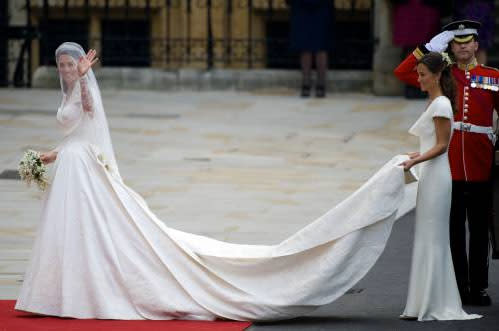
{"points": [[240, 167]]}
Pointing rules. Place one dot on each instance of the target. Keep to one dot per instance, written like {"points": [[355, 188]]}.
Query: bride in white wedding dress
{"points": [[101, 253]]}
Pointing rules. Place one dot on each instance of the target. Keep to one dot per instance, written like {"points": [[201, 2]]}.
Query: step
{"points": [[206, 80]]}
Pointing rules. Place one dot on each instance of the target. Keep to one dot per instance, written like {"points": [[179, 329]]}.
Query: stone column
{"points": [[4, 45], [386, 55]]}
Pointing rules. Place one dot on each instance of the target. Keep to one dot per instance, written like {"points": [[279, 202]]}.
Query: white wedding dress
{"points": [[433, 292], [101, 253]]}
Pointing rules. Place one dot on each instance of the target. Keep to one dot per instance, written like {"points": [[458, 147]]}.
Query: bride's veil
{"points": [[93, 127]]}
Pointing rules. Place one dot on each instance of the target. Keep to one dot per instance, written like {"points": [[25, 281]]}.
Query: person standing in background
{"points": [[414, 22], [311, 24]]}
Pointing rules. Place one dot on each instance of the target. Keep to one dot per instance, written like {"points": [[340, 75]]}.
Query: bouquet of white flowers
{"points": [[32, 169]]}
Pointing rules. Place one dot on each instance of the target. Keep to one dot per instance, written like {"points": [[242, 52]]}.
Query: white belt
{"points": [[468, 127]]}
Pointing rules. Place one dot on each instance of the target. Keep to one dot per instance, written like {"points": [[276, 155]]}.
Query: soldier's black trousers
{"points": [[471, 201]]}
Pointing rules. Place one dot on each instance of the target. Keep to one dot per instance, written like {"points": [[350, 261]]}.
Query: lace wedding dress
{"points": [[101, 253]]}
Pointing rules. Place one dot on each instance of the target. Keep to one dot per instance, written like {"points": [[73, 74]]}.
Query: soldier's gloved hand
{"points": [[440, 42]]}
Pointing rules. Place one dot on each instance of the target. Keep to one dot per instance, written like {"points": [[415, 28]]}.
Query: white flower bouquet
{"points": [[31, 169]]}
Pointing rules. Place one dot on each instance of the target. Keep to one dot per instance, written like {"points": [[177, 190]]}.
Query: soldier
{"points": [[470, 153]]}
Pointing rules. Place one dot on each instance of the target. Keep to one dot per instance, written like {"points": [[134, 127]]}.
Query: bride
{"points": [[101, 253]]}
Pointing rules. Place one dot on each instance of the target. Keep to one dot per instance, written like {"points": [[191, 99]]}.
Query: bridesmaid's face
{"points": [[427, 80], [67, 68]]}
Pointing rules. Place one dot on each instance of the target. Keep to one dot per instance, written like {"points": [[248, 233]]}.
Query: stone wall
{"points": [[166, 75], [215, 79]]}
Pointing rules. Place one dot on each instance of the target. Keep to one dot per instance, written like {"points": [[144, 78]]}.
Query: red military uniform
{"points": [[470, 153]]}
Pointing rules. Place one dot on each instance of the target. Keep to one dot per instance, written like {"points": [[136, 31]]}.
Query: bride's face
{"points": [[427, 80], [67, 68]]}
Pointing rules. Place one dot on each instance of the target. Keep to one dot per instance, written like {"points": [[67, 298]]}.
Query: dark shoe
{"points": [[305, 91], [480, 298], [320, 91], [408, 318]]}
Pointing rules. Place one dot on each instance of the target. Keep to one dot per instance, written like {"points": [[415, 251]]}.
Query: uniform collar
{"points": [[469, 66]]}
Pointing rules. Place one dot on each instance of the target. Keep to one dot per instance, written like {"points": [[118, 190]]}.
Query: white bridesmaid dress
{"points": [[433, 292]]}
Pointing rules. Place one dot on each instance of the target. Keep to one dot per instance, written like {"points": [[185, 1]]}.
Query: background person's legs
{"points": [[321, 62], [306, 68]]}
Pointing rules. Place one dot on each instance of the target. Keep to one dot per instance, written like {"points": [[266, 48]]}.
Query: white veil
{"points": [[89, 127]]}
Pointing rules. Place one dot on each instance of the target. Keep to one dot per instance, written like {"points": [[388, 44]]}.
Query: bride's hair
{"points": [[74, 54], [437, 63]]}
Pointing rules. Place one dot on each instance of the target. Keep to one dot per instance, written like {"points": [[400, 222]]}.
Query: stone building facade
{"points": [[195, 35]]}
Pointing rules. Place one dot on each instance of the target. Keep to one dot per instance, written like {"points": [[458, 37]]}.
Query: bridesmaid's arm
{"points": [[442, 132]]}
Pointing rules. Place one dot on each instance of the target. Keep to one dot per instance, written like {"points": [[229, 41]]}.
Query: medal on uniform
{"points": [[486, 83], [495, 85], [473, 81]]}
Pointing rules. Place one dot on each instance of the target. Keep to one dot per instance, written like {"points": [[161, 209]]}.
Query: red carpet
{"points": [[12, 320]]}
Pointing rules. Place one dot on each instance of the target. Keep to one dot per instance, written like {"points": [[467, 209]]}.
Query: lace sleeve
{"points": [[86, 97]]}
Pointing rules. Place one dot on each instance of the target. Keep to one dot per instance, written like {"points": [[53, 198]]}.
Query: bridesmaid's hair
{"points": [[436, 63]]}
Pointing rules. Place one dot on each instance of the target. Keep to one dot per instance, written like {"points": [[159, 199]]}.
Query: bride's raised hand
{"points": [[86, 62]]}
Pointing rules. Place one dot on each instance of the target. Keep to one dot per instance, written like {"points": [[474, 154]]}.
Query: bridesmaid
{"points": [[433, 292]]}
